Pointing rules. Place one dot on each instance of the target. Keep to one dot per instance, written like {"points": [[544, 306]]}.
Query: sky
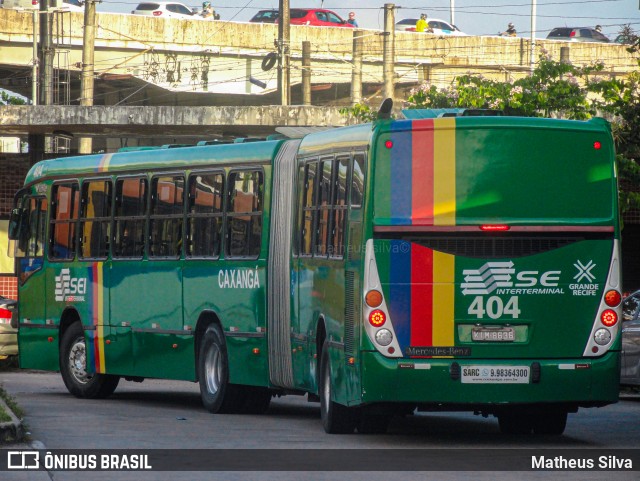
{"points": [[475, 17]]}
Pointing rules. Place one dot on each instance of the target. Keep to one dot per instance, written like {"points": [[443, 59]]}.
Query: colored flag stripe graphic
{"points": [[421, 295]]}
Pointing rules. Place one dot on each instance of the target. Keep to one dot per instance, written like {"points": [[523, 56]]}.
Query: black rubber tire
{"points": [[336, 418], [217, 394], [269, 61], [551, 423], [73, 368], [515, 421]]}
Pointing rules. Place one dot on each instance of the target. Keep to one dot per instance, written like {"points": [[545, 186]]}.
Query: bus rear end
{"points": [[494, 249]]}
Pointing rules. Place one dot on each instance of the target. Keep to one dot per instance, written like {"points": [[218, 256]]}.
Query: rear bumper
{"points": [[9, 343], [578, 382]]}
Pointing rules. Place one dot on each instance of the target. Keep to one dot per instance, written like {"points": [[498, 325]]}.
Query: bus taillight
{"points": [[609, 318], [612, 298], [494, 227], [373, 298], [377, 318]]}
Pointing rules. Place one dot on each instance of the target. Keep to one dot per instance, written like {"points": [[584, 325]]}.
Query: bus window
{"points": [[244, 214], [308, 209], [357, 181], [165, 227], [336, 245], [63, 221], [204, 215], [323, 206], [95, 219], [130, 214]]}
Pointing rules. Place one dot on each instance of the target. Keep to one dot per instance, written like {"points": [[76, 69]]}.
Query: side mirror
{"points": [[14, 223]]}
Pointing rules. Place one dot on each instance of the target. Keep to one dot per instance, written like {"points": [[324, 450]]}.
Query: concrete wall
{"points": [[219, 56]]}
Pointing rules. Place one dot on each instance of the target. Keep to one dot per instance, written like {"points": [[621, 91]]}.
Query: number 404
{"points": [[494, 307]]}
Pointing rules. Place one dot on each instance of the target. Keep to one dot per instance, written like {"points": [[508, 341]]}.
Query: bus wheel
{"points": [[73, 368], [218, 396], [336, 418], [515, 421], [550, 423]]}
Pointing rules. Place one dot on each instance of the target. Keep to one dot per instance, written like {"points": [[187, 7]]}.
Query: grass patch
{"points": [[17, 410]]}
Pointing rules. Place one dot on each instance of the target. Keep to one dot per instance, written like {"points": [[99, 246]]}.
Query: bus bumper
{"points": [[580, 382]]}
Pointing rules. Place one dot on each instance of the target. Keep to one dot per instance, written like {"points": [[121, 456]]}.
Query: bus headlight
{"points": [[602, 337], [384, 337]]}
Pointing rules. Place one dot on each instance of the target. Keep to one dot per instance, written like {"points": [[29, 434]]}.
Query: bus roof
{"points": [[146, 160]]}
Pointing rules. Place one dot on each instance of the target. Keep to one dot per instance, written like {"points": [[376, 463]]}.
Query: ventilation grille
{"points": [[493, 247]]}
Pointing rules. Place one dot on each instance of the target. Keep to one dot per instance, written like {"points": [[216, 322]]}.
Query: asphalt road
{"points": [[168, 415]]}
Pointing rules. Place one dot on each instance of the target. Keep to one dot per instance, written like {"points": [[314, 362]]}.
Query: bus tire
{"points": [[218, 395], [515, 421], [73, 355], [336, 418], [551, 423]]}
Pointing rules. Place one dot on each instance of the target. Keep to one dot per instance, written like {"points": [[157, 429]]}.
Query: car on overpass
{"points": [[577, 34], [317, 17], [265, 16], [436, 26], [168, 10], [65, 5]]}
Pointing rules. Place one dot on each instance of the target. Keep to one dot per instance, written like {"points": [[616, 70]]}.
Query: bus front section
{"points": [[491, 276]]}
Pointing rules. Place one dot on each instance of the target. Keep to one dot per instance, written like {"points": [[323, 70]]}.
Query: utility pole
{"points": [[34, 68], [533, 36], [306, 73], [85, 144], [388, 51], [452, 9], [47, 53], [356, 74], [284, 30]]}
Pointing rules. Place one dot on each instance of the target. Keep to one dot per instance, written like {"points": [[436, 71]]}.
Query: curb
{"points": [[10, 431]]}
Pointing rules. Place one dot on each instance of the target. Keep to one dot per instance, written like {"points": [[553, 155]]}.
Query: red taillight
{"points": [[612, 298], [609, 318], [597, 145], [34, 2], [388, 144], [157, 13], [377, 318], [5, 313], [494, 227], [572, 34]]}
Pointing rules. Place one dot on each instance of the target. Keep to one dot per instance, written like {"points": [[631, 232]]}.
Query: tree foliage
{"points": [[8, 99]]}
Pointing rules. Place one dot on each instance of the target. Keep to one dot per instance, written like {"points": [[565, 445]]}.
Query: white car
{"points": [[165, 10], [438, 27], [66, 5]]}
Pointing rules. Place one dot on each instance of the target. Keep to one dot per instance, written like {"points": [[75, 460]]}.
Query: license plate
{"points": [[501, 334], [495, 374]]}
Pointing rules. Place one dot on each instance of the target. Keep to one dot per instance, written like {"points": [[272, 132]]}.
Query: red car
{"points": [[317, 17]]}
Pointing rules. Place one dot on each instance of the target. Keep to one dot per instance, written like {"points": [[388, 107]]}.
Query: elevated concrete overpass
{"points": [[153, 61]]}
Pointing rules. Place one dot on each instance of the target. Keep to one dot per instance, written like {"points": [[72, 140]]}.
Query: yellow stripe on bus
{"points": [[444, 172], [444, 297]]}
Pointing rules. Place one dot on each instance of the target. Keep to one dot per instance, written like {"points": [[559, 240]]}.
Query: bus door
{"points": [[146, 277], [27, 229]]}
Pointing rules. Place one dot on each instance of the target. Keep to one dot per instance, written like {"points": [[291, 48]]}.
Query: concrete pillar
{"points": [[388, 53], [306, 73], [356, 74]]}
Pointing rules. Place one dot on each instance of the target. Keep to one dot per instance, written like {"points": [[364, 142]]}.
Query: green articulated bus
{"points": [[432, 263]]}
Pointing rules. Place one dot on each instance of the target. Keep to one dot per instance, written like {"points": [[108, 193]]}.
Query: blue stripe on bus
{"points": [[401, 171], [400, 291]]}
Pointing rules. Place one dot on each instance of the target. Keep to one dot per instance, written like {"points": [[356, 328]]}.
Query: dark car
{"points": [[577, 34], [265, 16], [630, 369], [626, 39]]}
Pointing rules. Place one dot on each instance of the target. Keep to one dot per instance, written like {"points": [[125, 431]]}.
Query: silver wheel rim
{"points": [[213, 369], [78, 361]]}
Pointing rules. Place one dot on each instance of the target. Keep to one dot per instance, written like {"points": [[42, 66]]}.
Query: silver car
{"points": [[577, 34], [630, 369]]}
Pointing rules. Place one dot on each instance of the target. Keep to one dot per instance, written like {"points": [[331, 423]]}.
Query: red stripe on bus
{"points": [[422, 173], [421, 296]]}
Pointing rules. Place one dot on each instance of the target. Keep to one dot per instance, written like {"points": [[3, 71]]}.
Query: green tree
{"points": [[7, 99]]}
